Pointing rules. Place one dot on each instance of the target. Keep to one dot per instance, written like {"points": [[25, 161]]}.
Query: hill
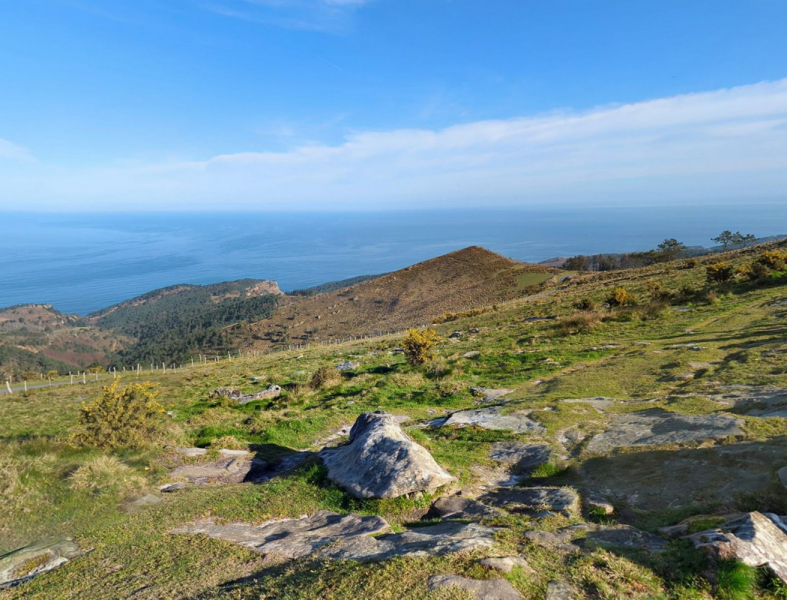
{"points": [[38, 338], [467, 279], [603, 436]]}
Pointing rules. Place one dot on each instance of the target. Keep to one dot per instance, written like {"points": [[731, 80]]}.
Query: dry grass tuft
{"points": [[105, 474]]}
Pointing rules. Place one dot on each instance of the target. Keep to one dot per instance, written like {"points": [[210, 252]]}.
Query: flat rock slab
{"points": [[756, 401], [492, 417], [506, 564], [624, 536], [381, 461], [460, 507], [488, 589], [520, 499], [520, 455], [21, 565], [291, 538], [753, 539], [656, 427], [191, 452], [228, 469], [432, 540], [655, 479]]}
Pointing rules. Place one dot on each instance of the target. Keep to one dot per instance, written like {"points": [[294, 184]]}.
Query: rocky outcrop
{"points": [[230, 468], [658, 427], [381, 461], [460, 507], [488, 589], [24, 564], [520, 455], [291, 538], [518, 499], [753, 539], [492, 417], [432, 540]]}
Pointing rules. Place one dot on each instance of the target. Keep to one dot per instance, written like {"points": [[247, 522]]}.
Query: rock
{"points": [[699, 365], [488, 589], [506, 564], [492, 418], [191, 452], [548, 539], [228, 452], [432, 540], [473, 330], [456, 334], [228, 469], [753, 539], [459, 507], [656, 427], [226, 393], [520, 455], [598, 504], [471, 354], [674, 531], [172, 487], [560, 590], [782, 473], [273, 391], [381, 461], [146, 500], [519, 499], [625, 536], [291, 538], [25, 563], [347, 366]]}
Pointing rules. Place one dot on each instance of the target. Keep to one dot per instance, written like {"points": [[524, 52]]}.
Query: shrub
{"points": [[578, 322], [105, 474], [419, 345], [773, 259], [324, 376], [621, 297], [124, 418], [654, 289], [719, 272], [585, 304]]}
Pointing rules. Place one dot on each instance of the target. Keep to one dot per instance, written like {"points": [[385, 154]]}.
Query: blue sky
{"points": [[347, 104]]}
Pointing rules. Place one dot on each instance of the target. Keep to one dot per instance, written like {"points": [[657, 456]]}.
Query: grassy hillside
{"points": [[683, 347], [463, 280]]}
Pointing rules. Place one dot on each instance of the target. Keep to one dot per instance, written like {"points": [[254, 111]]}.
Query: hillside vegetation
{"points": [[581, 361]]}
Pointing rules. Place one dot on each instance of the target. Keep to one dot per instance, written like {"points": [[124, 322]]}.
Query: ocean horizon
{"points": [[82, 263]]}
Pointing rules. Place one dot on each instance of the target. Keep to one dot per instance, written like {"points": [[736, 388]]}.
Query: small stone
{"points": [[520, 455], [506, 564], [560, 590], [191, 452], [625, 536], [599, 504], [228, 452], [172, 487], [347, 366], [471, 354], [459, 507], [487, 589], [456, 334]]}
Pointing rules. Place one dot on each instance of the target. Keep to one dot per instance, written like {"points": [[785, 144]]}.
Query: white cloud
{"points": [[725, 144], [9, 151]]}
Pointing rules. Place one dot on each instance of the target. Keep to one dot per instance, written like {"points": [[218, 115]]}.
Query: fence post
{"points": [[8, 385]]}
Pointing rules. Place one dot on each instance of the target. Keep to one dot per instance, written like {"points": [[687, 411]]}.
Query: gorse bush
{"points": [[773, 259], [719, 272], [119, 418], [621, 297], [419, 345], [324, 376]]}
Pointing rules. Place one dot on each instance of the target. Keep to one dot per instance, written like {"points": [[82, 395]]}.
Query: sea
{"points": [[80, 263]]}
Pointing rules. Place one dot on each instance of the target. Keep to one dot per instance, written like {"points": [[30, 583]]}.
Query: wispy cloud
{"points": [[333, 16], [12, 152], [729, 143]]}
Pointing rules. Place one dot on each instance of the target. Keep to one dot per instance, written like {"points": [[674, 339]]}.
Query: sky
{"points": [[300, 105]]}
